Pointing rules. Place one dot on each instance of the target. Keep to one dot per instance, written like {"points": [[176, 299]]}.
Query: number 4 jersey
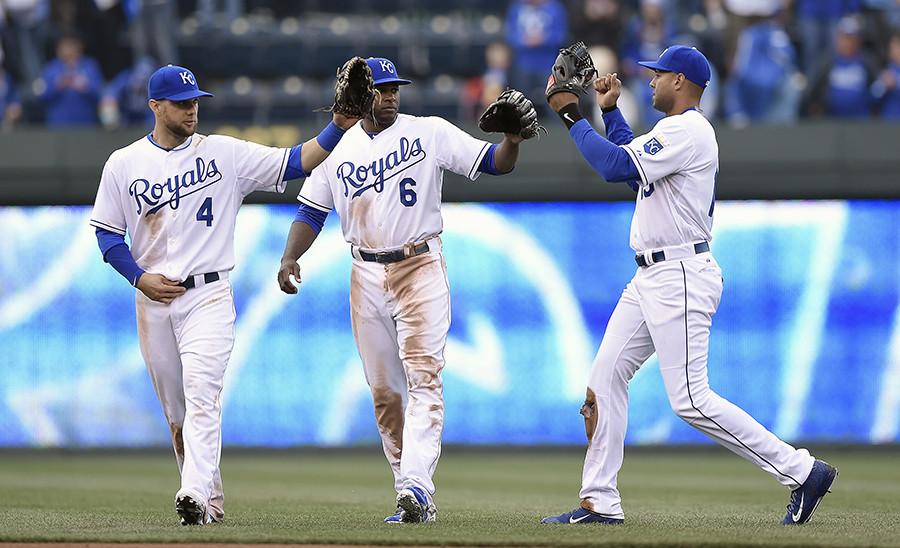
{"points": [[179, 206], [386, 187]]}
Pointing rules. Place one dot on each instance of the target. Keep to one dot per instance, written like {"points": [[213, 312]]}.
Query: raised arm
{"points": [[607, 159], [608, 89]]}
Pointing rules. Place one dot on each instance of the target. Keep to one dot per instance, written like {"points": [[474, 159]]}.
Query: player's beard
{"points": [[181, 131]]}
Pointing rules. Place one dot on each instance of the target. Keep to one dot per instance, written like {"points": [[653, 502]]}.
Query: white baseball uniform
{"points": [[179, 208], [668, 308], [387, 190]]}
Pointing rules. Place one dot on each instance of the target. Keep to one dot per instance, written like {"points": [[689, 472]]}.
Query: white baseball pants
{"points": [[668, 308], [400, 314], [186, 346]]}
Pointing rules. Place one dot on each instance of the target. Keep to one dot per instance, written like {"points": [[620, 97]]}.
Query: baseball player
{"points": [[177, 193], [384, 179], [668, 306]]}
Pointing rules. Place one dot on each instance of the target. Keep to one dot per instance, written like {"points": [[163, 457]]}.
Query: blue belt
{"points": [[659, 256], [208, 278]]}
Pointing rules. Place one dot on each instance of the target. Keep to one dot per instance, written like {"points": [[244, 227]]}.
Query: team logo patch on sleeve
{"points": [[653, 146]]}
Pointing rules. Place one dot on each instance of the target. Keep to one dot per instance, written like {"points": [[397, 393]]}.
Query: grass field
{"points": [[691, 498]]}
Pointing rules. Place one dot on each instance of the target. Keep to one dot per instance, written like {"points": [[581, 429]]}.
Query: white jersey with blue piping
{"points": [[179, 206], [386, 188], [678, 161]]}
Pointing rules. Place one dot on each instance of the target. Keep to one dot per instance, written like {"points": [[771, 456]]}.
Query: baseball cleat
{"points": [[396, 517], [414, 506], [806, 498], [580, 515], [190, 511]]}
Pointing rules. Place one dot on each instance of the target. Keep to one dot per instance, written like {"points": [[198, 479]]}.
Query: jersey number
{"points": [[205, 212], [407, 194], [646, 191]]}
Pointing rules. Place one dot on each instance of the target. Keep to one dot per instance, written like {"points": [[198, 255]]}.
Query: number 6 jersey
{"points": [[179, 206], [387, 188]]}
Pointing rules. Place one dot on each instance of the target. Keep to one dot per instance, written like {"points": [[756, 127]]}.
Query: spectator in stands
{"points": [[762, 86], [211, 12], [10, 107], [124, 101], [152, 29], [598, 23], [646, 36], [816, 22], [72, 86], [535, 30], [887, 88], [842, 85], [498, 59], [607, 62], [27, 27]]}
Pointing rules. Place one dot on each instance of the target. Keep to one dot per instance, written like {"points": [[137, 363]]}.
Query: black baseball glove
{"points": [[354, 89], [512, 112], [573, 71]]}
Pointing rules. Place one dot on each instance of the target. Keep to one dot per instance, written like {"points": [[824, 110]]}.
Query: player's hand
{"points": [[608, 89], [288, 268], [159, 288], [344, 122]]}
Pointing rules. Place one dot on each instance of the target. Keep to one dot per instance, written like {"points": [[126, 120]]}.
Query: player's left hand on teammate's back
{"points": [[288, 268], [159, 288], [513, 114]]}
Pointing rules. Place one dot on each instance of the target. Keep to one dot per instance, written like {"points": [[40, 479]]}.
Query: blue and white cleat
{"points": [[414, 506], [581, 515], [806, 498], [396, 517]]}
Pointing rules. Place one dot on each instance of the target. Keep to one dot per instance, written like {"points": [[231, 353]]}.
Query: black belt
{"points": [[394, 256], [208, 278], [659, 256]]}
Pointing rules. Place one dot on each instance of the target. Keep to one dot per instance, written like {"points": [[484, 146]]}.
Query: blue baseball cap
{"points": [[175, 84], [686, 60], [384, 72]]}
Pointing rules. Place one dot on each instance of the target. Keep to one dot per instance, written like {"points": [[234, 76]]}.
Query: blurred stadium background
{"points": [[806, 105]]}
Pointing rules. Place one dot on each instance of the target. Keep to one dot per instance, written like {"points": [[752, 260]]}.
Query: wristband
{"points": [[570, 114], [607, 110], [329, 137]]}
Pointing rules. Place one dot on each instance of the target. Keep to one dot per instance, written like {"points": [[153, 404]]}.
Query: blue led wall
{"points": [[807, 337]]}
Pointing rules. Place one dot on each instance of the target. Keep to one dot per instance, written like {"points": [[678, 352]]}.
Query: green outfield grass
{"points": [[688, 498]]}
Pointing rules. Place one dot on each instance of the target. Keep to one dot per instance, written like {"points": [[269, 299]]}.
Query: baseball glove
{"points": [[573, 71], [354, 89], [512, 112]]}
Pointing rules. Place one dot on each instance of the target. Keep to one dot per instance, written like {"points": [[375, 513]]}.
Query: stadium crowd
{"points": [[76, 63]]}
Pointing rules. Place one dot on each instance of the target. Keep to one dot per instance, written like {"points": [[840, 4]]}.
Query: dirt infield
{"points": [[178, 545]]}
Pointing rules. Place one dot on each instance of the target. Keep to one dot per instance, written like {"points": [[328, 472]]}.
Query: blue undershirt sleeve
{"points": [[607, 159], [115, 251], [617, 129], [487, 162], [313, 217], [294, 168]]}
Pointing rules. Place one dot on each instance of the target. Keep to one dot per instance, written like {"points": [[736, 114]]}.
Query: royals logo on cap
{"points": [[385, 72], [175, 84]]}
